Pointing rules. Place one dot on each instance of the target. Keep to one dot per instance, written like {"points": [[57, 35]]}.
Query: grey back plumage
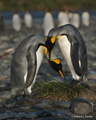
{"points": [[24, 59], [71, 32]]}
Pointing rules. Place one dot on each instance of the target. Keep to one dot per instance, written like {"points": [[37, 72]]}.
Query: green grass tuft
{"points": [[57, 90]]}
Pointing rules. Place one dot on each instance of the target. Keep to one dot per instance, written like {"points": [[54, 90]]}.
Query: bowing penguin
{"points": [[73, 49], [26, 62], [16, 22]]}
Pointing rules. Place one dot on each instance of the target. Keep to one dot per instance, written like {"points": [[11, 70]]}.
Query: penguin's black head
{"points": [[57, 66], [50, 42]]}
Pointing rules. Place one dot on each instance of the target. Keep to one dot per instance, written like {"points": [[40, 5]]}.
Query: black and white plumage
{"points": [[76, 20], [16, 22], [85, 19], [63, 18], [26, 62], [72, 47], [28, 20], [48, 22]]}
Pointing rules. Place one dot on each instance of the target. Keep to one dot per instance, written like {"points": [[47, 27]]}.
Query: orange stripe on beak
{"points": [[61, 74]]}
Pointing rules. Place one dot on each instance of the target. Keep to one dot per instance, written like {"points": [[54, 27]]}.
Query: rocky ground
{"points": [[38, 109]]}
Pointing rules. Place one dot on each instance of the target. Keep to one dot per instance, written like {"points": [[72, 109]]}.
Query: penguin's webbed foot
{"points": [[85, 85], [75, 82]]}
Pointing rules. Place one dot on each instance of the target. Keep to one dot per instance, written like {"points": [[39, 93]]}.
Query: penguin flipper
{"points": [[75, 55], [31, 68]]}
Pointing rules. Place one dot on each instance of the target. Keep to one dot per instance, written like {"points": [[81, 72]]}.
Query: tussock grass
{"points": [[57, 90]]}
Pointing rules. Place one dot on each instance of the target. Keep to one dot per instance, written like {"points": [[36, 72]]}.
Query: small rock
{"points": [[81, 106], [43, 113], [31, 115], [26, 102], [35, 108], [48, 118], [6, 115], [35, 100], [62, 113], [63, 104], [45, 104], [10, 103], [20, 115], [24, 107], [18, 98]]}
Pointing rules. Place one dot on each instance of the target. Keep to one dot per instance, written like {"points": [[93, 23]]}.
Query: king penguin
{"points": [[85, 18], [48, 22], [63, 18], [70, 16], [16, 22], [73, 49], [26, 62], [76, 20], [28, 19]]}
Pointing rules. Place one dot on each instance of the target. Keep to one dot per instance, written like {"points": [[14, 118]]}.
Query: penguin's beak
{"points": [[57, 66], [62, 74]]}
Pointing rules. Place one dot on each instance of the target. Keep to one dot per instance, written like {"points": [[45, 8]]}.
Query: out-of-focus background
{"points": [[20, 18], [39, 6]]}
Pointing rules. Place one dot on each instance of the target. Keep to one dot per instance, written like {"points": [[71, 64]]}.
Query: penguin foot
{"points": [[75, 82], [85, 85]]}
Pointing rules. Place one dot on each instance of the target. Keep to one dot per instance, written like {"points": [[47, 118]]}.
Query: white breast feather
{"points": [[65, 47], [39, 57]]}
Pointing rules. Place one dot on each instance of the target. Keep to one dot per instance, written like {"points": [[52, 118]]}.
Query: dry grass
{"points": [[57, 90]]}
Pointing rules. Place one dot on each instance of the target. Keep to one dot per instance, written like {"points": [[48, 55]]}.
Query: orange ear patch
{"points": [[57, 61], [53, 39]]}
